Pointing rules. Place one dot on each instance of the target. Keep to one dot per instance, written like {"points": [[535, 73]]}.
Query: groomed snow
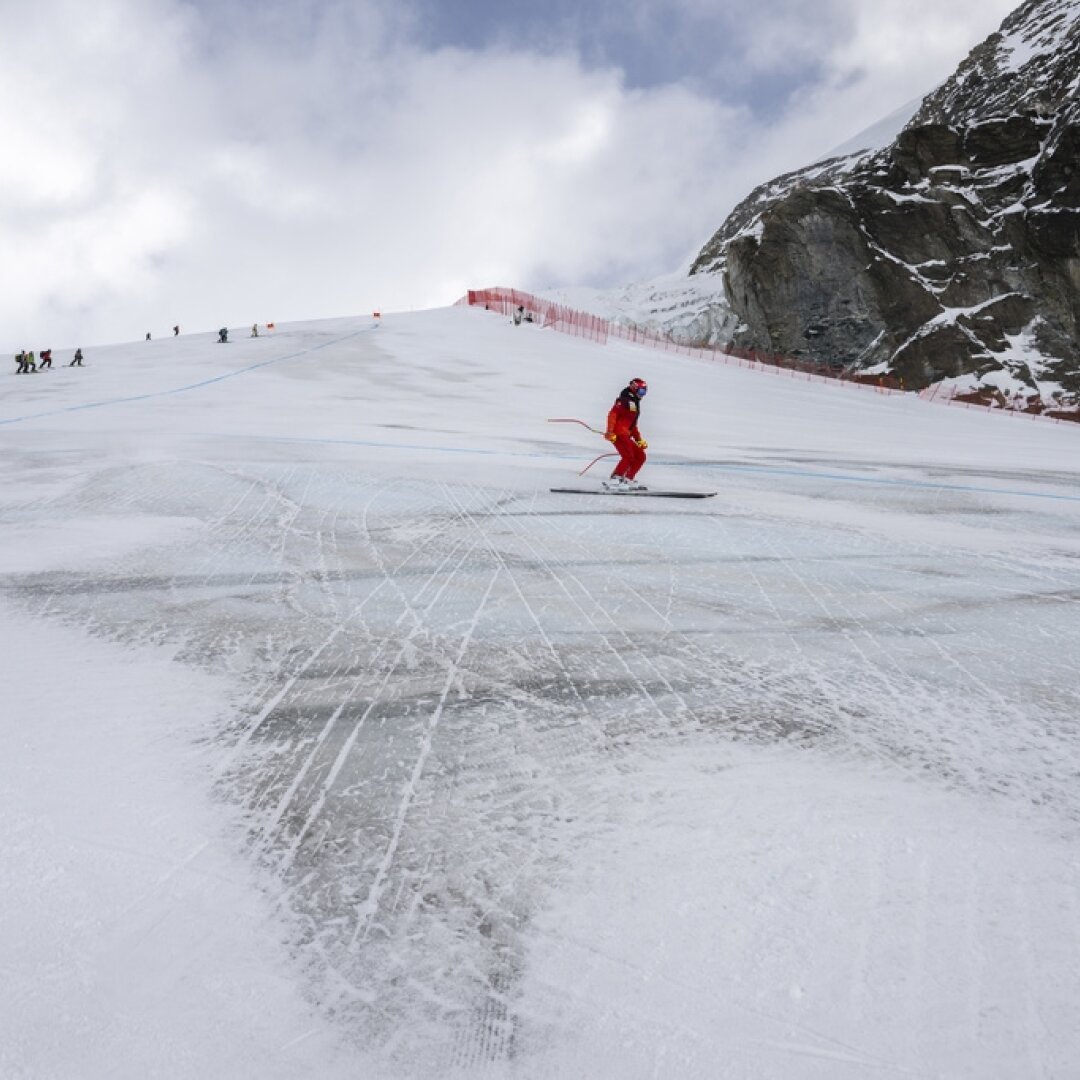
{"points": [[134, 942], [335, 744]]}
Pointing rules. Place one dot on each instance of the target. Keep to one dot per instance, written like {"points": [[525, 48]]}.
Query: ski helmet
{"points": [[639, 387]]}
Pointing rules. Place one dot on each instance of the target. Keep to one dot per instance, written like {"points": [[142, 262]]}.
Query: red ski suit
{"points": [[622, 430]]}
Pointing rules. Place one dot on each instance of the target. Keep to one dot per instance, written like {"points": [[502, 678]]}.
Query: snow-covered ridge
{"points": [[1029, 65], [878, 135]]}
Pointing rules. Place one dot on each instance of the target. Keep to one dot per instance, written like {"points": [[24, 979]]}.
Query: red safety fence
{"points": [[547, 313]]}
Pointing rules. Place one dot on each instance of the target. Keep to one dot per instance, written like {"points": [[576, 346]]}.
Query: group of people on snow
{"points": [[26, 361], [223, 333]]}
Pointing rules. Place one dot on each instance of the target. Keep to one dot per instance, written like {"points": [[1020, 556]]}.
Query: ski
{"points": [[637, 494]]}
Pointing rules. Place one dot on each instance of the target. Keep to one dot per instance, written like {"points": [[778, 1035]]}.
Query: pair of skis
{"points": [[639, 494], [636, 494]]}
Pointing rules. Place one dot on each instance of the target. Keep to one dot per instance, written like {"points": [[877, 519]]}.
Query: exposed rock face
{"points": [[955, 250]]}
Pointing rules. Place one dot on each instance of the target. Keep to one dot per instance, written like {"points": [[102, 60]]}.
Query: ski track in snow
{"points": [[452, 696]]}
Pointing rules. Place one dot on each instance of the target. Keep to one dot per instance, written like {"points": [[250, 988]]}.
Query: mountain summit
{"points": [[954, 250]]}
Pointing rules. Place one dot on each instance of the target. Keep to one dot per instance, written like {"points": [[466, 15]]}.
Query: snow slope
{"points": [[876, 136], [335, 744]]}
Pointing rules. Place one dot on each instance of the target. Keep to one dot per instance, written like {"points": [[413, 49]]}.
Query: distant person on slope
{"points": [[622, 430], [223, 336], [46, 359], [76, 360]]}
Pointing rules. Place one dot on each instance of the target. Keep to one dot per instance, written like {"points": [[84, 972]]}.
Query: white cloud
{"points": [[917, 35], [289, 160], [880, 55]]}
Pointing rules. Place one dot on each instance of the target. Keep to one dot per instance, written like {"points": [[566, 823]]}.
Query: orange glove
{"points": [[642, 444], [611, 436]]}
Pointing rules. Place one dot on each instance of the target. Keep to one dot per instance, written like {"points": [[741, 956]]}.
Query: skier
{"points": [[76, 360], [176, 331], [223, 336], [622, 430], [254, 329], [20, 361], [46, 359]]}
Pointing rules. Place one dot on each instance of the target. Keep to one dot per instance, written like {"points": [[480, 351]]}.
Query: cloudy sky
{"points": [[213, 162]]}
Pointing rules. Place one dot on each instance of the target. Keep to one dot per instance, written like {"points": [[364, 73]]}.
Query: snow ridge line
{"points": [[181, 389]]}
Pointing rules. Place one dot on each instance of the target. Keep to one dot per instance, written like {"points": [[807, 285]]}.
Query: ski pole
{"points": [[596, 431], [571, 420], [594, 461]]}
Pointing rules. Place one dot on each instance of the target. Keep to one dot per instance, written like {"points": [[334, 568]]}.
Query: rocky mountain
{"points": [[953, 251]]}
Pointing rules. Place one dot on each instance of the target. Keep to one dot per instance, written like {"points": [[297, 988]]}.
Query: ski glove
{"points": [[642, 444], [611, 436]]}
